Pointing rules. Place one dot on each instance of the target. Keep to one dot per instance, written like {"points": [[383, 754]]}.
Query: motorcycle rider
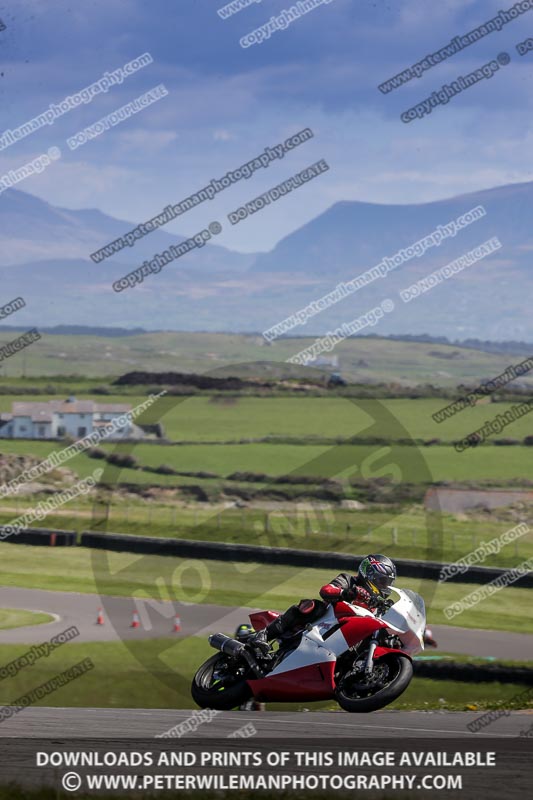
{"points": [[369, 588]]}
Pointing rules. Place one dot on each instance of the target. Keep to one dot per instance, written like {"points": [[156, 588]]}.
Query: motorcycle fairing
{"points": [[407, 618], [310, 682], [260, 619], [307, 672]]}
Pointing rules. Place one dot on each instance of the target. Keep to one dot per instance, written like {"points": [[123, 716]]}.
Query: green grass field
{"points": [[18, 618], [232, 584], [301, 419], [402, 533], [363, 359], [201, 419], [305, 430], [157, 674], [310, 435], [413, 465]]}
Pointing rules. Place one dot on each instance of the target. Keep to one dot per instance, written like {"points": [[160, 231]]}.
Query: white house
{"points": [[56, 419]]}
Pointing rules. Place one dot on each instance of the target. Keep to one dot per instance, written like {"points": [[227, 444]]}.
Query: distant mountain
{"points": [[354, 235], [45, 258], [33, 230]]}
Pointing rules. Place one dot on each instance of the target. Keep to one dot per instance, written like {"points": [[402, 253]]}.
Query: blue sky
{"points": [[226, 104]]}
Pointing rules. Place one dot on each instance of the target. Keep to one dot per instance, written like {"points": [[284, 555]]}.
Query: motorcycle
{"points": [[360, 658]]}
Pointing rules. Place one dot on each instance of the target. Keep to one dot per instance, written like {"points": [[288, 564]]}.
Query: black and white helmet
{"points": [[377, 574]]}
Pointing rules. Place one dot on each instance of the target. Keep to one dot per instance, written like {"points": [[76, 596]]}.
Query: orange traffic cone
{"points": [[135, 621], [100, 617], [177, 624]]}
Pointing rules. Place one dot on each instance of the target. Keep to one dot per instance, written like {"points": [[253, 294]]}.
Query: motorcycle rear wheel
{"points": [[401, 671], [215, 686]]}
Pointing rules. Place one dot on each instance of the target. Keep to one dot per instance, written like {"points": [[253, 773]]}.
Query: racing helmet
{"points": [[376, 574], [244, 631]]}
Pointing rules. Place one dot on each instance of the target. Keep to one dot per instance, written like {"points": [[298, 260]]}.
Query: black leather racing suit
{"points": [[343, 587]]}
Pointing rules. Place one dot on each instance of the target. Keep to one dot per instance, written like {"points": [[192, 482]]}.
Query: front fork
{"points": [[369, 664]]}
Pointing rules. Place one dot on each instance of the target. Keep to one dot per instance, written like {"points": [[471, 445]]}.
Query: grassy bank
{"points": [[231, 583], [403, 531], [157, 674], [18, 618]]}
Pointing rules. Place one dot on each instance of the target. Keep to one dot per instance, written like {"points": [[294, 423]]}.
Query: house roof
{"points": [[37, 409], [59, 406], [42, 416]]}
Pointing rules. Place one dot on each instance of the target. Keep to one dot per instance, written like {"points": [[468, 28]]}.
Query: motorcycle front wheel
{"points": [[390, 678], [220, 684]]}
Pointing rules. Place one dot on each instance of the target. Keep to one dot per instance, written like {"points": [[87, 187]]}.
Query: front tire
{"points": [[396, 671], [216, 684]]}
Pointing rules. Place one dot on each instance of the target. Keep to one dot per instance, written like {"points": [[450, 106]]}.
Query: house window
{"points": [[61, 430], [82, 416], [82, 431], [42, 430], [23, 429]]}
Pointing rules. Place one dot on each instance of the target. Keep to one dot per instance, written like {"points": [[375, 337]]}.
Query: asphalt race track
{"points": [[81, 610], [199, 620], [67, 723]]}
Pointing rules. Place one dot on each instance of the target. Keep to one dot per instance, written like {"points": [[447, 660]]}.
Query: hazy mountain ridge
{"points": [[45, 251]]}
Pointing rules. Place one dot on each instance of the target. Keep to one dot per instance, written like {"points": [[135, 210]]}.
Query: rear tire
{"points": [[399, 664], [220, 695]]}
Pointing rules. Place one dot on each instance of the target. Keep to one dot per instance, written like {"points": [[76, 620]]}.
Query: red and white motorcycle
{"points": [[360, 658]]}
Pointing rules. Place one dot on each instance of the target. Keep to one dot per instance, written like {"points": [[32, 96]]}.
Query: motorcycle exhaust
{"points": [[227, 645], [232, 647]]}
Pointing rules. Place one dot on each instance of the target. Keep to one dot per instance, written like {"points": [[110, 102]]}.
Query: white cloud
{"points": [[223, 136], [147, 140]]}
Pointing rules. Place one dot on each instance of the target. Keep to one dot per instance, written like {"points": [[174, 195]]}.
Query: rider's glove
{"points": [[383, 605], [358, 595]]}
